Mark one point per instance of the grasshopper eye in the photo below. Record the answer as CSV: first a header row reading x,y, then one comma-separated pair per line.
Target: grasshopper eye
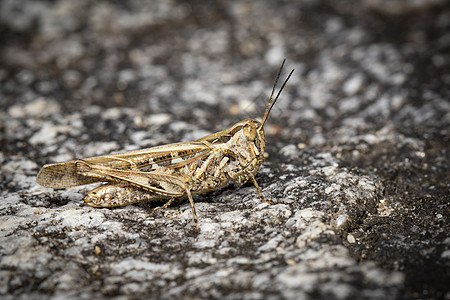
x,y
250,131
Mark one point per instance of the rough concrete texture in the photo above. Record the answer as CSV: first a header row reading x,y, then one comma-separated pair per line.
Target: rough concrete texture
x,y
358,148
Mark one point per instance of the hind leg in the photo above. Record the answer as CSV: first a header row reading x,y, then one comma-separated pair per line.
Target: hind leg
x,y
114,194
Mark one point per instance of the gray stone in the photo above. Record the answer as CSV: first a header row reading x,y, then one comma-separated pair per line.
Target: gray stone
x,y
358,148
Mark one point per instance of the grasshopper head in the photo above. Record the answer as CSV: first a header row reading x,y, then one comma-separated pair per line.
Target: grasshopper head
x,y
248,135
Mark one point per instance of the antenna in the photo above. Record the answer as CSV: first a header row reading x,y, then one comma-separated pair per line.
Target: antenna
x,y
272,102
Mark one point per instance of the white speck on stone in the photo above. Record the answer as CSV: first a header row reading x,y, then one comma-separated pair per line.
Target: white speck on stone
x,y
112,226
333,25
349,104
239,260
312,231
112,113
195,134
290,151
275,213
158,119
371,139
295,184
353,84
177,126
101,148
199,257
271,244
139,136
445,254
380,277
38,107
98,238
10,200
46,135
127,75
341,220
398,78
298,275
303,217
75,218
209,228
9,224
247,106
131,288
197,91
328,190
127,265
367,185
274,56
234,217
26,258
336,256
329,171
209,234
333,188
351,239
308,214
205,243
317,139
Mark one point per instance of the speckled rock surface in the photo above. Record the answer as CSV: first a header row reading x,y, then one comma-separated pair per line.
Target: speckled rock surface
x,y
358,148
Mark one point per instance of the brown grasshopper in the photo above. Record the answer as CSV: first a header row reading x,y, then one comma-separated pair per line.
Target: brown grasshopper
x,y
169,171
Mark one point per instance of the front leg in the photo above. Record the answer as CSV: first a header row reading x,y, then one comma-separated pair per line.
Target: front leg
x,y
253,179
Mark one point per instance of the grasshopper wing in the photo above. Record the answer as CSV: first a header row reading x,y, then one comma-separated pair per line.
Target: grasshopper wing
x,y
66,174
